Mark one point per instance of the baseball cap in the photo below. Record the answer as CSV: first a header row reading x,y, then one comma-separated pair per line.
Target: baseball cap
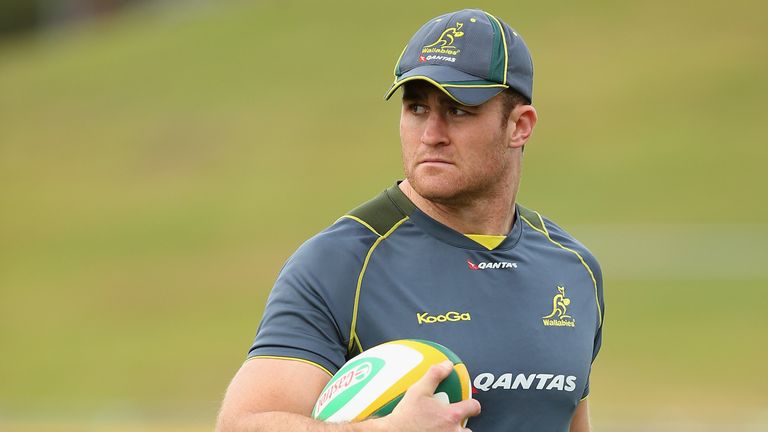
x,y
470,55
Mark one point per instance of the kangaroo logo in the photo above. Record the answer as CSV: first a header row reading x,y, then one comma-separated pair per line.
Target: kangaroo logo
x,y
445,41
559,316
442,49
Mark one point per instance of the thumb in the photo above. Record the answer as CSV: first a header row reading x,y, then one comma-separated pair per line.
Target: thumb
x,y
427,384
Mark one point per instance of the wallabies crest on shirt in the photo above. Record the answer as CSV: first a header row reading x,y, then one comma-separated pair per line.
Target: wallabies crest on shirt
x,y
559,316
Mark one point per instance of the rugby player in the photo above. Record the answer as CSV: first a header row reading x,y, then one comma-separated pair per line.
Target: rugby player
x,y
446,255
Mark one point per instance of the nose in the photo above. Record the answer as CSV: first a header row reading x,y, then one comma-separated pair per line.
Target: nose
x,y
435,130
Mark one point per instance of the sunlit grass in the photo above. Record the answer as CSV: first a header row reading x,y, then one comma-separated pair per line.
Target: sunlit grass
x,y
157,169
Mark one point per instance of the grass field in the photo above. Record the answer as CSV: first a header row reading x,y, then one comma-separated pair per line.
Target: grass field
x,y
157,168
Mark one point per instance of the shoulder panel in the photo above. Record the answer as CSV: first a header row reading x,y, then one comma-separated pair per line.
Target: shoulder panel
x,y
532,218
384,211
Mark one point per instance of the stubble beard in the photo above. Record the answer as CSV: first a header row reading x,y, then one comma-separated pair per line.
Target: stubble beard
x,y
468,189
463,190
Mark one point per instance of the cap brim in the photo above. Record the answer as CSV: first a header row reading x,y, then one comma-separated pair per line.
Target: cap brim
x,y
464,88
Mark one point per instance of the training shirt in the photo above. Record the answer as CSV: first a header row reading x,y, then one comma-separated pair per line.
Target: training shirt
x,y
525,317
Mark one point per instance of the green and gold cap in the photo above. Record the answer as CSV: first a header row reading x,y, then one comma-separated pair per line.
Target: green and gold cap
x,y
470,55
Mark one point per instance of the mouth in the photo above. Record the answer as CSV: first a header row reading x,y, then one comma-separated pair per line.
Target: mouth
x,y
435,161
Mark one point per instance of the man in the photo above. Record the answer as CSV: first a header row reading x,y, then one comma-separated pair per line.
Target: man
x,y
445,255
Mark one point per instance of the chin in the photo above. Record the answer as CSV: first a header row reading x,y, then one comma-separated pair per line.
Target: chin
x,y
438,189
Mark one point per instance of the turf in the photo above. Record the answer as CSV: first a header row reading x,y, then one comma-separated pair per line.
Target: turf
x,y
158,167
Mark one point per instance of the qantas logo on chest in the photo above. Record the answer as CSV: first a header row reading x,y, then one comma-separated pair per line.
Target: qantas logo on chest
x,y
491,265
538,381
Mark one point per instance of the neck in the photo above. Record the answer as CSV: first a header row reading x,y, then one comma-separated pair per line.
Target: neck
x,y
492,214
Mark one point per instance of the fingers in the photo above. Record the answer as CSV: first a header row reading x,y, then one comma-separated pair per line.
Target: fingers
x,y
429,382
467,408
421,408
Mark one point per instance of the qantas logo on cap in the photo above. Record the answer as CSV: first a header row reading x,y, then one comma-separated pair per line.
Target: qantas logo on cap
x,y
491,265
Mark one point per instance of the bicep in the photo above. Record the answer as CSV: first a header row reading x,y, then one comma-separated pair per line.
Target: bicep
x,y
580,420
263,385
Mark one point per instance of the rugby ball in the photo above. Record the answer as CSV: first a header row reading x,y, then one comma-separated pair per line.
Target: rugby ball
x,y
372,383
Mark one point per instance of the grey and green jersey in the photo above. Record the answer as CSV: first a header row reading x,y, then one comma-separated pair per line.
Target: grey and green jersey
x,y
526,317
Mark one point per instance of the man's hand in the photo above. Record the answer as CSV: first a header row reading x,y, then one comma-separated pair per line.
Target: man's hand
x,y
419,411
257,401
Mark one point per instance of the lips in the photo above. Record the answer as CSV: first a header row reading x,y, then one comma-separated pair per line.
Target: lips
x,y
435,161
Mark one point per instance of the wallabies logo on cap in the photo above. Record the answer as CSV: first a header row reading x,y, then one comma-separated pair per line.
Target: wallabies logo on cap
x,y
443,48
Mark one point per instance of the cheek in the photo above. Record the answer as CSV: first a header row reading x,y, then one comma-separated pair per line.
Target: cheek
x,y
407,128
409,140
493,157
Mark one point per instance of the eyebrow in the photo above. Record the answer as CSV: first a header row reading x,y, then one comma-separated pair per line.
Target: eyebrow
x,y
411,93
417,93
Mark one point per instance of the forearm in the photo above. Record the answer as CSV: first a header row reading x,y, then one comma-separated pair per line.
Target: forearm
x,y
243,410
580,421
288,422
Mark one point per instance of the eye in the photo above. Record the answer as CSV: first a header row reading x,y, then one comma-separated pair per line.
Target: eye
x,y
417,108
458,112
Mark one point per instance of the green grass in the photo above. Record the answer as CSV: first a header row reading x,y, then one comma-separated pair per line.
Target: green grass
x,y
156,169
694,346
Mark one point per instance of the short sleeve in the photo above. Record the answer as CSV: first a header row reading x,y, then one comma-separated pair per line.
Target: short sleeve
x,y
598,342
308,313
562,237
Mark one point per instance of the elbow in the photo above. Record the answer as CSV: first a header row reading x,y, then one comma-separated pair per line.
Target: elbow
x,y
235,421
242,421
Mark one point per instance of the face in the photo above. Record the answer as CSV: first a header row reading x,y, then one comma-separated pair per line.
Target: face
x,y
452,153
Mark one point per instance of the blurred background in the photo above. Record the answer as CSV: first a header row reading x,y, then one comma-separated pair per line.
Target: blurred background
x,y
159,160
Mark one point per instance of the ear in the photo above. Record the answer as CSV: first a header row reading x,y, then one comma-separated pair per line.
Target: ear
x,y
521,120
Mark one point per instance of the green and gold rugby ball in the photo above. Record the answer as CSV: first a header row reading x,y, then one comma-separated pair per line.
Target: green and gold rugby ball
x,y
372,383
